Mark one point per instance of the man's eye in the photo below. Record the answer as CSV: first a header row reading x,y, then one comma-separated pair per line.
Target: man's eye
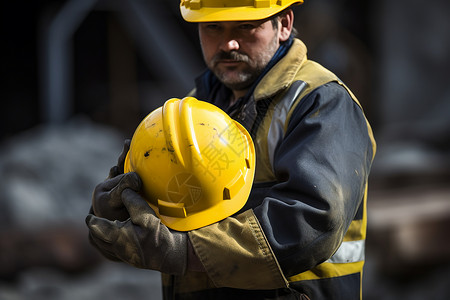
x,y
246,26
212,27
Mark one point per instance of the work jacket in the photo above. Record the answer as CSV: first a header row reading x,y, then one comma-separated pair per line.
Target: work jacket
x,y
302,230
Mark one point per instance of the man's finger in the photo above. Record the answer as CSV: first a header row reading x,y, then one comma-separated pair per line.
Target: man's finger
x,y
123,155
128,180
103,229
113,172
104,248
110,183
137,207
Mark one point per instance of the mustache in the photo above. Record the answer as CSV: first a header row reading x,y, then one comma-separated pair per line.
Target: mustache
x,y
232,55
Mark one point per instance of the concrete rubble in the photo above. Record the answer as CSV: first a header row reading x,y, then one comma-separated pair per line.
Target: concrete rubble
x,y
48,174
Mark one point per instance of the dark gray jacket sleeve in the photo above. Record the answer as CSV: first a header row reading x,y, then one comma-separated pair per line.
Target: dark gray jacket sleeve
x,y
321,168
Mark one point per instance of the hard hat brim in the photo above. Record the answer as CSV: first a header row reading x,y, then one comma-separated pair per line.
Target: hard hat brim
x,y
224,14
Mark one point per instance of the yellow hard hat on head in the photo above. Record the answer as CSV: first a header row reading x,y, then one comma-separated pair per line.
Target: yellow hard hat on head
x,y
196,164
232,10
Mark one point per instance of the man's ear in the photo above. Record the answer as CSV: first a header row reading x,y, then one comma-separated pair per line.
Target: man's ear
x,y
286,23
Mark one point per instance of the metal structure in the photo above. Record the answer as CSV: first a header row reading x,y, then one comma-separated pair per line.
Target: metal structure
x,y
163,47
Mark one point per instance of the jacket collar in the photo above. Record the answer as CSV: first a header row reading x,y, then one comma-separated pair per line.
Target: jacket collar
x,y
281,75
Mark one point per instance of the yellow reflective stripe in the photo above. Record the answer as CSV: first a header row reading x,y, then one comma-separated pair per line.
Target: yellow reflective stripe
x,y
329,270
354,238
354,231
357,228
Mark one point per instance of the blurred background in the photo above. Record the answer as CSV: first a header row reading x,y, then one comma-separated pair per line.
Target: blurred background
x,y
79,75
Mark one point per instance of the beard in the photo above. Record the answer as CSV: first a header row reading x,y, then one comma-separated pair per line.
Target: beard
x,y
240,79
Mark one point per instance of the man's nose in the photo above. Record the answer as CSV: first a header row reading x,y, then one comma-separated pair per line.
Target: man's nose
x,y
229,44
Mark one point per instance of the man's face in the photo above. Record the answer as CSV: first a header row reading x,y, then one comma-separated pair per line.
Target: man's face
x,y
237,52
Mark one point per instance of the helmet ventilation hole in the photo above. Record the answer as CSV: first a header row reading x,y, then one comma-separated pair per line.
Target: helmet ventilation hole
x,y
247,163
226,194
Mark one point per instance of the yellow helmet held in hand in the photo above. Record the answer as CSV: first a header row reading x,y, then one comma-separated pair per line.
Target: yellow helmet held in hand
x,y
196,164
232,10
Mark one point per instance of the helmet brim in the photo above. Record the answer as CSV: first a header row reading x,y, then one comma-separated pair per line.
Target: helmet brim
x,y
224,14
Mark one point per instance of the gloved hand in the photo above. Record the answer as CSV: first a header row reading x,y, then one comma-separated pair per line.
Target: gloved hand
x,y
106,198
142,241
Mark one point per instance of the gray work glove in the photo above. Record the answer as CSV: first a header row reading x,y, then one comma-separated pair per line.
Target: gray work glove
x,y
106,198
142,240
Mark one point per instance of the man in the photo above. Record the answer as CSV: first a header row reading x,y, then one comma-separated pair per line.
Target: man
x,y
301,232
